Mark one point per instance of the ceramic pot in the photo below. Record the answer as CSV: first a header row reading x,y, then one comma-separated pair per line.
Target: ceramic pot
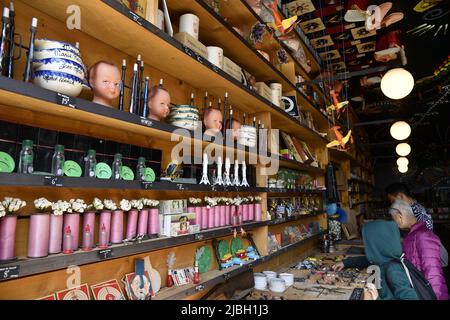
x,y
59,82
190,23
58,54
215,56
59,65
46,44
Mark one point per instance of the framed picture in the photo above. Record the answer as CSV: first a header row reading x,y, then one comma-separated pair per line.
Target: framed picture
x,y
77,293
108,290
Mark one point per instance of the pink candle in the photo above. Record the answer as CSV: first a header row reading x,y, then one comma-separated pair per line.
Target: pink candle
x,y
72,220
245,212
105,220
142,222
205,217
216,216
228,215
153,221
132,224
117,226
211,217
222,216
56,234
198,216
7,237
258,212
38,235
251,212
89,219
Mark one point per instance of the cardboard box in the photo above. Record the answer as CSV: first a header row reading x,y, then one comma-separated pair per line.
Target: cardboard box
x,y
232,69
264,90
192,43
172,206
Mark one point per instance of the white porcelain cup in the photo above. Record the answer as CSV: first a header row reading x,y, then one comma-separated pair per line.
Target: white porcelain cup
x,y
270,275
189,23
260,281
160,20
276,93
277,285
215,56
288,278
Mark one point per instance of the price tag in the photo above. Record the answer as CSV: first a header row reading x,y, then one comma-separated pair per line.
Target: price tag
x,y
180,186
199,288
215,68
64,100
53,181
146,122
136,18
9,272
213,188
105,254
188,51
146,185
199,236
200,59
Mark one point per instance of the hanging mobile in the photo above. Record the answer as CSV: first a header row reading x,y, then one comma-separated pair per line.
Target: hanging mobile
x,y
27,74
122,84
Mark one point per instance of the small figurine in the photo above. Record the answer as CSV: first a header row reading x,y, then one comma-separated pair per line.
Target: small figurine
x,y
158,103
205,179
213,121
219,180
236,174
170,262
340,141
251,253
104,79
244,182
226,261
226,180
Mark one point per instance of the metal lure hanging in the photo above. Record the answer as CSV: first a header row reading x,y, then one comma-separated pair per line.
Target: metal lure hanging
x,y
33,29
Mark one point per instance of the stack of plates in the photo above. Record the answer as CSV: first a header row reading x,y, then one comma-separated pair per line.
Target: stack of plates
x,y
58,66
184,116
277,285
288,278
260,281
247,136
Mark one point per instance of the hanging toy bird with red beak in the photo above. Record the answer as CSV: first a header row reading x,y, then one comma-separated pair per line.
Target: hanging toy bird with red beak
x,y
283,26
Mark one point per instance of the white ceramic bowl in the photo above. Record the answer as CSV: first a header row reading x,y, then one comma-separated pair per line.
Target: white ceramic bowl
x,y
288,278
44,44
60,65
277,285
58,54
270,275
260,281
59,82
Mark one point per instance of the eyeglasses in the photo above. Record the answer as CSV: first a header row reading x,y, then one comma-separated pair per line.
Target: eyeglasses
x,y
109,84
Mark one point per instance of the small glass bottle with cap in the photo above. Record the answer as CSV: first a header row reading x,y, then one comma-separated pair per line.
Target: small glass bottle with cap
x,y
89,164
26,157
58,161
117,167
140,169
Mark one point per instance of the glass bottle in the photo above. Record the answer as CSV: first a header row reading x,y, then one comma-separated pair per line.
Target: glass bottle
x,y
140,169
26,157
68,238
58,161
117,167
89,164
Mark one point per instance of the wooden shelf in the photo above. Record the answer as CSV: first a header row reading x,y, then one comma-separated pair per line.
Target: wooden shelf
x,y
293,219
214,277
293,164
61,261
129,33
274,192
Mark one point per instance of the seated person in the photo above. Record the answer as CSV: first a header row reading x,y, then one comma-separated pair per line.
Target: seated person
x,y
236,126
382,245
158,103
421,247
213,121
104,78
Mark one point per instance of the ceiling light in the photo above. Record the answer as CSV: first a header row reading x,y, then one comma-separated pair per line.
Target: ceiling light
x,y
403,169
397,83
403,149
400,130
402,162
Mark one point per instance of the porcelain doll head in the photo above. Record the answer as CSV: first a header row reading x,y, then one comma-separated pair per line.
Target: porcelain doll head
x,y
104,79
213,121
158,103
236,126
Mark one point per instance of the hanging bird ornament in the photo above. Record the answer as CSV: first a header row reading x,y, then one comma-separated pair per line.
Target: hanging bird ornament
x,y
283,26
341,142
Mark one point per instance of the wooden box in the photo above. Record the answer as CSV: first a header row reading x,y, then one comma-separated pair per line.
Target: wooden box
x,y
264,90
232,69
192,43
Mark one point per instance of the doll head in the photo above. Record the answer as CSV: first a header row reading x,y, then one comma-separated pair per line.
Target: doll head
x,y
104,78
213,121
158,103
235,126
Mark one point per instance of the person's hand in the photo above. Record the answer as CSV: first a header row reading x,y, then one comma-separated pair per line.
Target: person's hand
x,y
338,266
370,292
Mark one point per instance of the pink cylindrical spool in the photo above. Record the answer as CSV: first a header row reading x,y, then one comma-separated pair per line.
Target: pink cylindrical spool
x,y
228,215
258,212
7,237
38,235
191,209
211,221
217,216
245,212
251,212
117,226
153,221
198,216
89,219
105,220
205,217
132,224
72,220
222,216
142,228
56,234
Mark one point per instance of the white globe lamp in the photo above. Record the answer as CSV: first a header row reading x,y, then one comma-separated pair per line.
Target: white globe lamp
x,y
403,149
403,169
397,83
402,162
400,130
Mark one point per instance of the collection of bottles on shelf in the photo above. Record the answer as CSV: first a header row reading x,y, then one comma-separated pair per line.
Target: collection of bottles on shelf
x,y
279,208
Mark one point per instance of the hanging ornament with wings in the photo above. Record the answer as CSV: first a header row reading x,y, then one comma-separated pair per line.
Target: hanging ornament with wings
x,y
337,106
341,142
283,26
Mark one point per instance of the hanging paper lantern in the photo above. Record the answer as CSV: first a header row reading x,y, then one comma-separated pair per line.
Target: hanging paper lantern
x,y
397,83
403,169
403,149
400,130
402,162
